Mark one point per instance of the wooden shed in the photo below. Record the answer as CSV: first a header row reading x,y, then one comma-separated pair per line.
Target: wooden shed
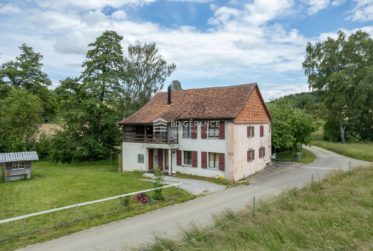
x,y
17,165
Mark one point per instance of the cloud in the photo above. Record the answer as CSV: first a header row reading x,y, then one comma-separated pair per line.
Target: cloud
x,y
89,4
314,6
9,9
244,42
119,15
363,11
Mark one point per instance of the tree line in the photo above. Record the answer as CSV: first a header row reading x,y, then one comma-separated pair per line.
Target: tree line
x,y
110,87
340,75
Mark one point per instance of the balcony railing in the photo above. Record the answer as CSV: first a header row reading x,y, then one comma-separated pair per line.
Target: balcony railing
x,y
153,139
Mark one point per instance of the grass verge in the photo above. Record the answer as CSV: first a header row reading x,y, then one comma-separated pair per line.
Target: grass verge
x,y
333,214
219,181
56,185
287,156
362,151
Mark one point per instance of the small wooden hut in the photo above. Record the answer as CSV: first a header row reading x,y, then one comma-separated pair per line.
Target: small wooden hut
x,y
17,165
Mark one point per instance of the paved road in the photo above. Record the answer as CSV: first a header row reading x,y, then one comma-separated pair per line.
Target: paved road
x,y
169,222
196,187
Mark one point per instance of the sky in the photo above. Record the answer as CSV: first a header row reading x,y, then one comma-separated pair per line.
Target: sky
x,y
212,42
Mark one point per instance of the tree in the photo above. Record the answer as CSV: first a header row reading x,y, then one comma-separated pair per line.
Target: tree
x,y
20,116
339,70
290,126
104,67
89,105
26,72
146,72
176,85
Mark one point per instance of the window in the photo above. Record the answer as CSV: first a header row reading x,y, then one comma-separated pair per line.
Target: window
x,y
261,131
213,160
250,131
250,155
261,152
187,157
140,158
213,130
187,130
18,165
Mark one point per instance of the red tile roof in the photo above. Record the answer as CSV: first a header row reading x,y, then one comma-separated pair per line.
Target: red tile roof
x,y
203,103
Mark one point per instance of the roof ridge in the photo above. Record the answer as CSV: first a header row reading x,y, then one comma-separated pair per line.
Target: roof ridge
x,y
213,87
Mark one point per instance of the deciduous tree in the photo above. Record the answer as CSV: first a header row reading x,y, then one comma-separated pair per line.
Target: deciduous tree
x,y
340,69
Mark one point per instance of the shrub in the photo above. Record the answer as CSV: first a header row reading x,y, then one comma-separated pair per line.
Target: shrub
x,y
158,182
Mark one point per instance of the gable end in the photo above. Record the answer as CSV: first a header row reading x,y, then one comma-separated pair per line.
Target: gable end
x,y
254,111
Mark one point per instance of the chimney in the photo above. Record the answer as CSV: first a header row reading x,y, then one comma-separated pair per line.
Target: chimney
x,y
169,95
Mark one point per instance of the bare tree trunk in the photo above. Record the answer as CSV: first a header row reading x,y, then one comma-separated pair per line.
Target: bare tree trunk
x,y
342,131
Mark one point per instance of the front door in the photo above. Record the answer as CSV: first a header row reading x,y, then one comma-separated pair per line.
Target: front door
x,y
150,159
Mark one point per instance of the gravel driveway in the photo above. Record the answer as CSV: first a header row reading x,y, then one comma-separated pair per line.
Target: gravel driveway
x,y
196,187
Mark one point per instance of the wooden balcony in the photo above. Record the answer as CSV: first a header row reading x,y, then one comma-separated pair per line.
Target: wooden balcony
x,y
153,139
146,134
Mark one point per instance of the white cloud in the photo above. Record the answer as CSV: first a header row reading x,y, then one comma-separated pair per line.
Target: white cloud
x,y
363,11
314,6
245,43
119,15
9,9
89,4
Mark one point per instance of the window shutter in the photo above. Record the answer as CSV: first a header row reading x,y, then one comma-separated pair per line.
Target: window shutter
x,y
261,131
221,162
194,159
248,131
194,130
204,159
178,157
203,130
221,130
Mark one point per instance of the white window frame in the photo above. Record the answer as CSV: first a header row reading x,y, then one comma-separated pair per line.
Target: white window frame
x,y
215,160
213,131
140,158
191,158
187,130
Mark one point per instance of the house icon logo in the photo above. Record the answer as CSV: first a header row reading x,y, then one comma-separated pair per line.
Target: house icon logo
x,y
160,125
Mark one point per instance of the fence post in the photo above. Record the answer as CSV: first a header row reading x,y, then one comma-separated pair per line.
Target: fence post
x,y
254,205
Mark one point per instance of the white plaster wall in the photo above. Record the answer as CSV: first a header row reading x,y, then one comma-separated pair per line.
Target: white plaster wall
x,y
243,168
129,156
202,145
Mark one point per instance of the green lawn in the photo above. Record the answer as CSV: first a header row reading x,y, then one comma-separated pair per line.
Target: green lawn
x,y
334,214
287,156
363,151
56,185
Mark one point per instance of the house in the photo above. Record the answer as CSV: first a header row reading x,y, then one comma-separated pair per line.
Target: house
x,y
212,132
17,165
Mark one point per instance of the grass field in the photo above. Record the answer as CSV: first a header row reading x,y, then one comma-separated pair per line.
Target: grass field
x,y
55,185
363,151
334,214
287,156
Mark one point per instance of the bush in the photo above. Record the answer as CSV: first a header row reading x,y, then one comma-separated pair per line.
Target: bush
x,y
158,182
43,146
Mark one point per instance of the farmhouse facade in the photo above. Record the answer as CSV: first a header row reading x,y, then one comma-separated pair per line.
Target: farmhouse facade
x,y
212,132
